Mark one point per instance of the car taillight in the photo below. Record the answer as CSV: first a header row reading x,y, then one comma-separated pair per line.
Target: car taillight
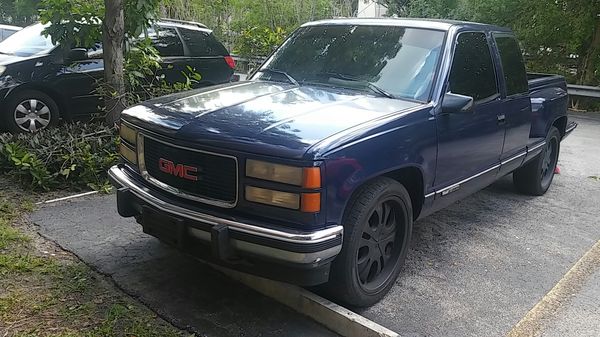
x,y
230,62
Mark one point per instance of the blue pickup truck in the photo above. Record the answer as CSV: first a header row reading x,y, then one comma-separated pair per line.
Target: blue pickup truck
x,y
314,170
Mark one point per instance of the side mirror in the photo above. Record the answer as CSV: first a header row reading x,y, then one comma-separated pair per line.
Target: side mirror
x,y
77,54
455,103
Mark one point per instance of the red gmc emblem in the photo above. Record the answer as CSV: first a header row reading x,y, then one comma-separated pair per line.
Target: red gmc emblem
x,y
178,170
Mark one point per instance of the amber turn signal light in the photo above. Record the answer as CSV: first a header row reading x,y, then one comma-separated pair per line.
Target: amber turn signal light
x,y
311,202
311,177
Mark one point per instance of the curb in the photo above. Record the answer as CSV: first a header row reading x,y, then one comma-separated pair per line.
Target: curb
x,y
335,317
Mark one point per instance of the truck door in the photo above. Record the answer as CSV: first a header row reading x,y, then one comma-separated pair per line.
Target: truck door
x,y
469,143
516,103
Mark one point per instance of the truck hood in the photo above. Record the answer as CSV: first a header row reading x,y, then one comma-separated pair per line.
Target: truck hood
x,y
269,118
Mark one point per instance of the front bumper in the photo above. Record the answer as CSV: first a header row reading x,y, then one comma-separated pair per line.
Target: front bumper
x,y
289,255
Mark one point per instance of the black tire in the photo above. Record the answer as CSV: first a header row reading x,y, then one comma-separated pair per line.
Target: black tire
x,y
536,176
29,106
364,284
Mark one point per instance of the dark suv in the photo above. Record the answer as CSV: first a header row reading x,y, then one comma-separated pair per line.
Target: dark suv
x,y
40,84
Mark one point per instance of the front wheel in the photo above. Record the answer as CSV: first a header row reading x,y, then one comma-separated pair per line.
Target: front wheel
x,y
378,226
536,176
30,111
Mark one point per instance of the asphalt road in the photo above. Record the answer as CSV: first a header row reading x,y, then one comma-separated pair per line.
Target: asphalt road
x,y
475,269
184,291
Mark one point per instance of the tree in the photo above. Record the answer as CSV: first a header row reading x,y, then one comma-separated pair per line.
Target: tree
x,y
113,35
83,23
18,12
560,36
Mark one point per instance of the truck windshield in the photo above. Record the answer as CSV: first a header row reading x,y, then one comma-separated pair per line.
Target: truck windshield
x,y
27,42
396,61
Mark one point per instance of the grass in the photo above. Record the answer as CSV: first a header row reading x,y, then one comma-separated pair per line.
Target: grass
x,y
44,294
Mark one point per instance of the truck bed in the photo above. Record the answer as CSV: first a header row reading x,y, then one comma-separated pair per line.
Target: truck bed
x,y
539,81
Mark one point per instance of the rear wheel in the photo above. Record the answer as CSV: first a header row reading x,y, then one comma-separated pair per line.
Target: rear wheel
x,y
536,176
378,226
30,111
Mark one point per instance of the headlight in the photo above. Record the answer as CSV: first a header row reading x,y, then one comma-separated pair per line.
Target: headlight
x,y
128,153
128,134
307,177
274,198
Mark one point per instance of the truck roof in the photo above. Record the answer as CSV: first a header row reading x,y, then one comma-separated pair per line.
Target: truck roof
x,y
436,24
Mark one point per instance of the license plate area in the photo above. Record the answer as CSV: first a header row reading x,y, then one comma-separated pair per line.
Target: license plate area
x,y
169,229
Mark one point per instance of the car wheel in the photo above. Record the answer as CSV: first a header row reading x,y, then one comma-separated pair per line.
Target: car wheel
x,y
378,226
536,176
30,111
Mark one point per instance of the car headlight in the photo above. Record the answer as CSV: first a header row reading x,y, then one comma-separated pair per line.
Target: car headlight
x,y
128,153
307,177
271,197
128,134
128,146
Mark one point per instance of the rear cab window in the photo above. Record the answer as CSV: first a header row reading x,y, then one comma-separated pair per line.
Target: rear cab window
x,y
202,43
513,67
473,72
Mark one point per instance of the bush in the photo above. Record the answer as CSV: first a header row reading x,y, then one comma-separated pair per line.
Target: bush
x,y
74,155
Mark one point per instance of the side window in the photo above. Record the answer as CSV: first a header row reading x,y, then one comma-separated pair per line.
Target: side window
x,y
472,71
201,43
513,67
166,41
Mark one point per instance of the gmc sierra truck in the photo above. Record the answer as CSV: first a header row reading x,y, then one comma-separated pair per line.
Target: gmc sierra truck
x,y
314,170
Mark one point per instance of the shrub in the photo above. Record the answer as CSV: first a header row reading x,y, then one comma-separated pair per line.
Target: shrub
x,y
74,155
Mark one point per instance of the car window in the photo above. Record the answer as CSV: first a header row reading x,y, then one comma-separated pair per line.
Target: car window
x,y
27,42
473,71
202,43
513,67
399,60
166,41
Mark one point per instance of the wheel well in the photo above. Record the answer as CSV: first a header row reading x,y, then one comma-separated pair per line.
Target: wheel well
x,y
412,179
561,125
63,107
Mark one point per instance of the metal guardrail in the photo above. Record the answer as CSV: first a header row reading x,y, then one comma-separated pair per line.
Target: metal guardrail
x,y
583,91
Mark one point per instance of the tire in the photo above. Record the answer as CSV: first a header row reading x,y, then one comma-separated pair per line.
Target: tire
x,y
29,106
368,265
536,176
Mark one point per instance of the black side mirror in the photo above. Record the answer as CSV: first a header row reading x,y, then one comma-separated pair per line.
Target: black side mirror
x,y
455,103
77,54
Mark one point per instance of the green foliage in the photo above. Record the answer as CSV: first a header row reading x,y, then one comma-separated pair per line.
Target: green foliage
x,y
81,27
18,12
144,77
79,22
558,36
231,20
71,156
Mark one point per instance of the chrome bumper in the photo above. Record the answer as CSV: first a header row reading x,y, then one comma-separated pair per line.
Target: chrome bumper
x,y
122,179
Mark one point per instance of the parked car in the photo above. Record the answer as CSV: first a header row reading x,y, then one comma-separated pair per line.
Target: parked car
x,y
6,31
314,170
40,84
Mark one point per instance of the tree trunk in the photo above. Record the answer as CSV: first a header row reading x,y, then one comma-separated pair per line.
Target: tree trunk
x,y
113,35
591,59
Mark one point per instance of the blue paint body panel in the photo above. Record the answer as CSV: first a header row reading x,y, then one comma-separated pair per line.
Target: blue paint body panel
x,y
355,136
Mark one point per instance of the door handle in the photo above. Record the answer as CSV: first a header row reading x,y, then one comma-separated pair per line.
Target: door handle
x,y
501,119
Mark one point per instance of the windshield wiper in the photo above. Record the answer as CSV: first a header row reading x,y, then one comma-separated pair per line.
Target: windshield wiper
x,y
281,72
373,87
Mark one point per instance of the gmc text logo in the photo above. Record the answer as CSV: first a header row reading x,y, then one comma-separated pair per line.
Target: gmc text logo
x,y
178,170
